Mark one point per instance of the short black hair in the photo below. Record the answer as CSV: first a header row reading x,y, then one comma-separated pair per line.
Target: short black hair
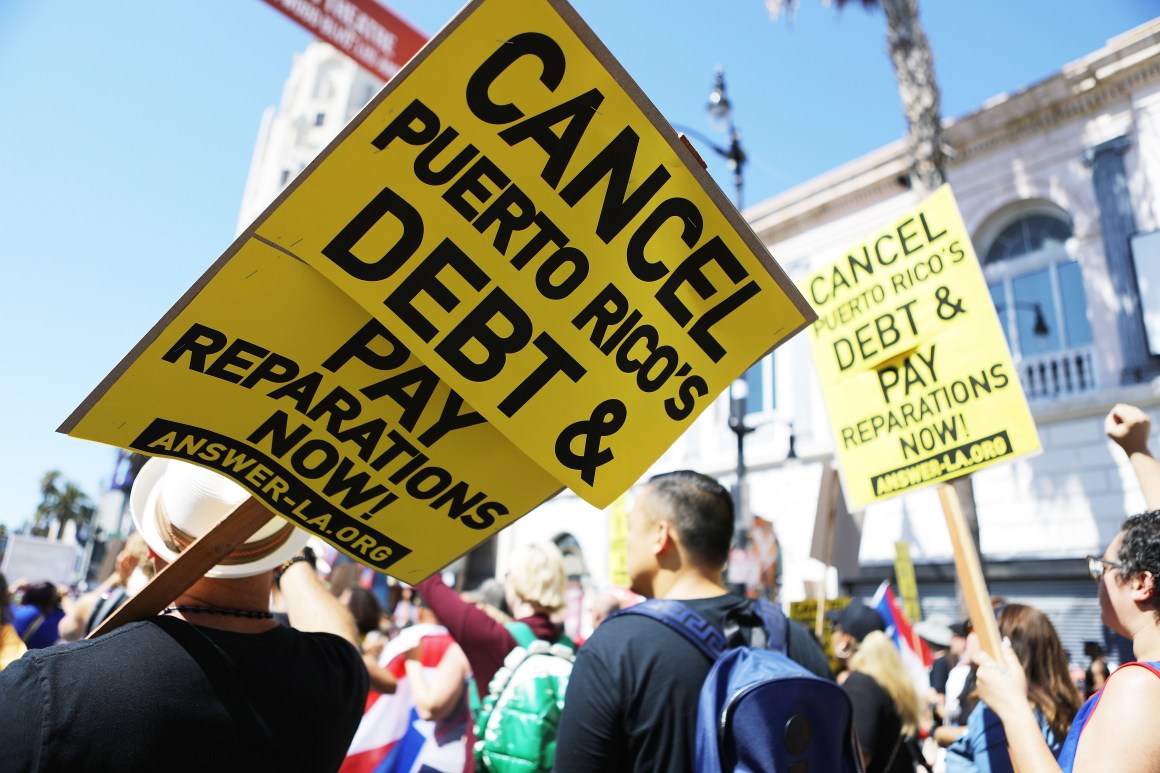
x,y
700,510
1140,550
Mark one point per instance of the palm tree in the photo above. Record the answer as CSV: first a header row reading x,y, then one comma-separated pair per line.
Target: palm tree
x,y
61,501
917,86
913,62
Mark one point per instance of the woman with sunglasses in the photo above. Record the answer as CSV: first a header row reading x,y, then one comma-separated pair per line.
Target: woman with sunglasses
x,y
1115,728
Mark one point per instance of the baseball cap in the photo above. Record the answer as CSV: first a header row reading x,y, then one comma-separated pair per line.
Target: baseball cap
x,y
858,620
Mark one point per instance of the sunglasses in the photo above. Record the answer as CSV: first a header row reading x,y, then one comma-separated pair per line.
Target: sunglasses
x,y
1097,566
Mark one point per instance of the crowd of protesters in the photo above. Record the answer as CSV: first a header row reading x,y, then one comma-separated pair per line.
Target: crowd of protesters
x,y
426,655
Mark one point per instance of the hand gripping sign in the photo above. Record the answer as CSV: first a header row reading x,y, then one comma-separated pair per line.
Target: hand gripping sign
x,y
523,281
914,367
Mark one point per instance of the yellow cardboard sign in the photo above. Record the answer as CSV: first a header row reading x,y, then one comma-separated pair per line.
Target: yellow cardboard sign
x,y
514,210
278,380
916,373
617,514
907,583
568,285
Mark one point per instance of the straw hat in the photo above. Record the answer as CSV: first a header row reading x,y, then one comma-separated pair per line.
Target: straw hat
x,y
174,503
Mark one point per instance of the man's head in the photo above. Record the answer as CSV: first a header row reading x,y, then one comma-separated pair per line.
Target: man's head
x,y
681,521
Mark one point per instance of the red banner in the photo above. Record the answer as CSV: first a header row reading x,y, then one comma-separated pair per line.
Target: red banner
x,y
364,30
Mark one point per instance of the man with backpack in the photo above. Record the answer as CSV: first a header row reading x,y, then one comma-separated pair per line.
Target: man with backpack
x,y
632,701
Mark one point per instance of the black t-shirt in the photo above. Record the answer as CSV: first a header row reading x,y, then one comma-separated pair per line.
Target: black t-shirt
x,y
878,725
166,695
939,671
632,697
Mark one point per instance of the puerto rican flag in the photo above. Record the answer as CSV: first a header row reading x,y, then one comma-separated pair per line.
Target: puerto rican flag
x,y
916,656
391,736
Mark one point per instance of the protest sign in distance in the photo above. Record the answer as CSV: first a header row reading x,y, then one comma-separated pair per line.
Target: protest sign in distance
x,y
914,367
505,276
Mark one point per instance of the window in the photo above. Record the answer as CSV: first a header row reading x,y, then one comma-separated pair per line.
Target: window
x,y
760,396
320,119
1037,286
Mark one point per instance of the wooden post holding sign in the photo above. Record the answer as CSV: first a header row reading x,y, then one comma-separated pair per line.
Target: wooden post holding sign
x,y
201,556
823,541
970,573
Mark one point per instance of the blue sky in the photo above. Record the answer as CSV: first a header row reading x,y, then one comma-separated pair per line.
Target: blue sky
x,y
129,128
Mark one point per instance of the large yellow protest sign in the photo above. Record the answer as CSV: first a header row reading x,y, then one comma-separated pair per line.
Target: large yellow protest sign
x,y
278,380
505,276
915,370
514,210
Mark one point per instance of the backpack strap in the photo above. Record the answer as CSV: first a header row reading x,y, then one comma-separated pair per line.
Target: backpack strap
x,y
522,633
680,618
32,629
776,627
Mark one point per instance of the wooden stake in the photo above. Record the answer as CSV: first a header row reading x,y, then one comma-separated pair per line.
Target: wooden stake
x,y
970,574
823,542
190,566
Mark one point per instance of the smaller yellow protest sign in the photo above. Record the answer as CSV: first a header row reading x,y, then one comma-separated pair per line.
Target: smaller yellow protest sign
x,y
618,542
273,377
915,370
907,584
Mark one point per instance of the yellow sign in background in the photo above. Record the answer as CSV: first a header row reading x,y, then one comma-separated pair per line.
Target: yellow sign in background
x,y
569,286
907,583
915,370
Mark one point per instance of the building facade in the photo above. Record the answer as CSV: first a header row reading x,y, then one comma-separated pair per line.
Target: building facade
x,y
1058,185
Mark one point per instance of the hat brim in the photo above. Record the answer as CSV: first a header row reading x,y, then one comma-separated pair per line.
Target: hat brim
x,y
143,508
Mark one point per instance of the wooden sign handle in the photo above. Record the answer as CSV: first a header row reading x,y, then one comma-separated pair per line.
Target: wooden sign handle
x,y
201,556
970,574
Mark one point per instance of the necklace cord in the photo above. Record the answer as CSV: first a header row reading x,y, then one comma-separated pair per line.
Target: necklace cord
x,y
255,614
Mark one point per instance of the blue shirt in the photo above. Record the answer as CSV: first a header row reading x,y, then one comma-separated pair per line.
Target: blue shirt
x,y
983,748
46,634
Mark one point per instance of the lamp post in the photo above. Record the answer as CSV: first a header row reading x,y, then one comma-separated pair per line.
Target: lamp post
x,y
721,111
738,407
744,571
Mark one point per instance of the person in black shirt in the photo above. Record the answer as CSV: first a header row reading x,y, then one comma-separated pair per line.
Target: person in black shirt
x,y
632,697
213,682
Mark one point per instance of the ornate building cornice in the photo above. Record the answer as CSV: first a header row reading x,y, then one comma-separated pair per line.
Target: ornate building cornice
x,y
1128,63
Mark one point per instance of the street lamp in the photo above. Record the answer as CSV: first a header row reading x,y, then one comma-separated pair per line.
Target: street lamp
x,y
738,409
721,114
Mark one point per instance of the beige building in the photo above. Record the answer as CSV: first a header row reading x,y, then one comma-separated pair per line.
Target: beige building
x,y
1059,185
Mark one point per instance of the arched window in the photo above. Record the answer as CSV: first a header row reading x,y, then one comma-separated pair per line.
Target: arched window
x,y
1037,286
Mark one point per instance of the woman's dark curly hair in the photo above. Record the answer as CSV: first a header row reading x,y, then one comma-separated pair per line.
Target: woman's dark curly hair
x,y
3,599
1140,550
